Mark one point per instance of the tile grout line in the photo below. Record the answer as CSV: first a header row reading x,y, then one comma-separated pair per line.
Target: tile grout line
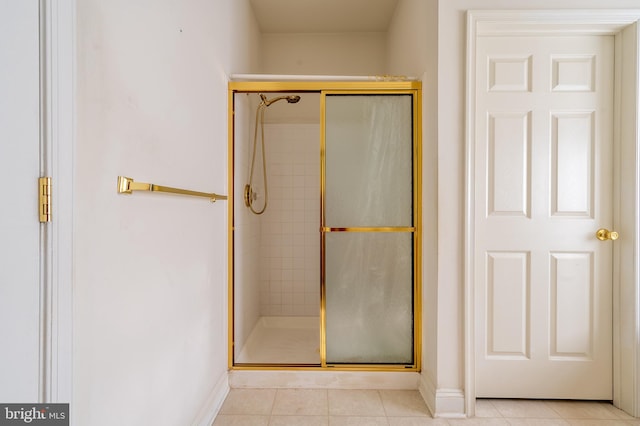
x,y
497,410
384,408
555,411
273,405
328,409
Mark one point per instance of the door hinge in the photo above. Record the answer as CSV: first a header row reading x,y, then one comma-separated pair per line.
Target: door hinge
x,y
44,199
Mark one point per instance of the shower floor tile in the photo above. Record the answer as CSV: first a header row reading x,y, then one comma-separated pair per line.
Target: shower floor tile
x,y
283,340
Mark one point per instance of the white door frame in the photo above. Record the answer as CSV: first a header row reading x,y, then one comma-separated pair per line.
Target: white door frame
x,y
624,26
57,141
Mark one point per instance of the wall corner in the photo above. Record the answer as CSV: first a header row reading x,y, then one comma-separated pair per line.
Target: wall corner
x,y
445,403
213,403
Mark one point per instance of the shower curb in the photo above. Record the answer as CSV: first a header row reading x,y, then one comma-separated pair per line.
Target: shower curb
x,y
258,379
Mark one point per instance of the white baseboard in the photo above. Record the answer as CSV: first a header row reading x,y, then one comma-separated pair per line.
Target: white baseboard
x,y
448,403
323,379
212,405
428,391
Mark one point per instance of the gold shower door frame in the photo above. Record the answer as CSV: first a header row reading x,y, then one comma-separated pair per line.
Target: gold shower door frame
x,y
413,88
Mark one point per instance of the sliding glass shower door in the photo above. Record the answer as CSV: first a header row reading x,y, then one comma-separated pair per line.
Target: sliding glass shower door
x,y
368,228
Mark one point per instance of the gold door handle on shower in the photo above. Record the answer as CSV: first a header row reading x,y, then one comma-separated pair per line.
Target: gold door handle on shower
x,y
604,234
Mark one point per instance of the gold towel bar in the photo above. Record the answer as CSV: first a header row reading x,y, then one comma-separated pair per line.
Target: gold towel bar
x,y
127,186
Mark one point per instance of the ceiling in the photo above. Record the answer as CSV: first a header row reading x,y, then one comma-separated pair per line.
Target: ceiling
x,y
323,16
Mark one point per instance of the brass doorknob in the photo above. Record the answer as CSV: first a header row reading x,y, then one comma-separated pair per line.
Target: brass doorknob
x,y
604,235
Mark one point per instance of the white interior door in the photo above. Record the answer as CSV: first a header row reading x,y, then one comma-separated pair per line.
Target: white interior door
x,y
19,224
543,184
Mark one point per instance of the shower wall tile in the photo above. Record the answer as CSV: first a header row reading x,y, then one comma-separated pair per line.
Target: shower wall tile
x,y
290,238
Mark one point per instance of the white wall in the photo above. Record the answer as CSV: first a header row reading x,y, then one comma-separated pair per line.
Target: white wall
x,y
451,173
324,54
412,50
20,231
150,287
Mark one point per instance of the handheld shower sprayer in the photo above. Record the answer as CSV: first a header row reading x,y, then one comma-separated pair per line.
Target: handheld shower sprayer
x,y
249,194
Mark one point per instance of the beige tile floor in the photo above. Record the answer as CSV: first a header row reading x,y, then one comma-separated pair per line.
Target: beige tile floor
x,y
321,407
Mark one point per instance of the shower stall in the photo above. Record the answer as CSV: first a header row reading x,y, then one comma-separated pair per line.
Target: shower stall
x,y
324,225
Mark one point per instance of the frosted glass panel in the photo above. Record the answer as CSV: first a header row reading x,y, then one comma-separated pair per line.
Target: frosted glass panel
x,y
369,297
368,160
